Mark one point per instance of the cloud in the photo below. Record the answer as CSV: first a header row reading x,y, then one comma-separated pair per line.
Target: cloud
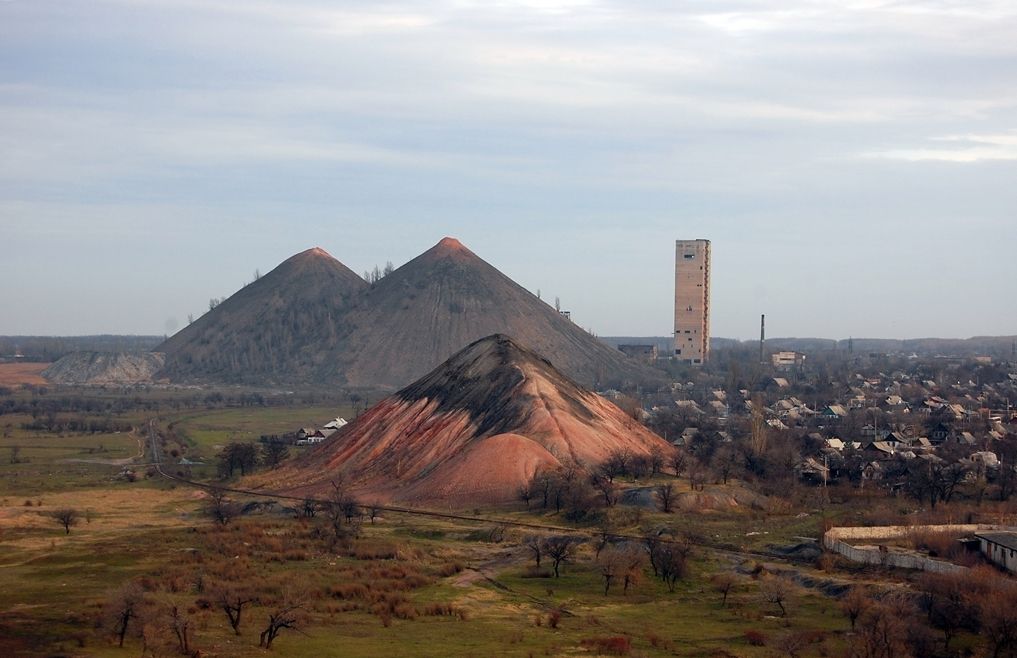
x,y
968,149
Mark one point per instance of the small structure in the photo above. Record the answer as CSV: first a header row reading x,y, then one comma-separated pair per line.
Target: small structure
x,y
642,352
1000,548
787,360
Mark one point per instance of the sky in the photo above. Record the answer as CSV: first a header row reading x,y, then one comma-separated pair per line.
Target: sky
x,y
853,163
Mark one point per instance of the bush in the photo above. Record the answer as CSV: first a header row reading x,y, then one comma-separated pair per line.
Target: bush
x,y
755,638
554,618
618,645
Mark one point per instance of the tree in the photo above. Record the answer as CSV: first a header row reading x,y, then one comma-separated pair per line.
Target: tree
x,y
672,563
679,462
723,583
15,455
340,509
607,489
389,268
623,562
232,601
237,456
776,591
525,494
220,508
285,616
534,544
758,431
122,607
276,451
67,517
854,604
665,497
657,460
881,633
560,549
180,626
997,611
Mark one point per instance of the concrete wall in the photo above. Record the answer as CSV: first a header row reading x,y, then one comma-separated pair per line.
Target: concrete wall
x,y
834,540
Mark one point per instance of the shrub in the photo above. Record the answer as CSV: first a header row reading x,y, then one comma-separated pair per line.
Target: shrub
x,y
755,638
618,645
554,618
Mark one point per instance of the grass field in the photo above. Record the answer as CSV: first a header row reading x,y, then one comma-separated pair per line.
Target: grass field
x,y
408,586
56,582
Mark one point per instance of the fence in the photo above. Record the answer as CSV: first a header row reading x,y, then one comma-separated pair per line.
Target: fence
x,y
833,540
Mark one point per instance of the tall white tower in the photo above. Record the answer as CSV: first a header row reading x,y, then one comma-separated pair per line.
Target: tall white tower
x,y
692,301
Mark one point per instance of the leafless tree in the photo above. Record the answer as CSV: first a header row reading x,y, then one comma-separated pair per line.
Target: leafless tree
x,y
998,619
758,431
723,583
560,549
623,562
122,607
679,461
776,591
606,488
220,508
525,494
232,601
285,616
665,497
534,544
656,460
15,455
854,603
67,517
181,626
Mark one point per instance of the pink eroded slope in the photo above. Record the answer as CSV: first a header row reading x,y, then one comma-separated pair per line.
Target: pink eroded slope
x,y
473,430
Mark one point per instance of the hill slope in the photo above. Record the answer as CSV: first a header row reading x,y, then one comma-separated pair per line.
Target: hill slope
x,y
105,368
284,327
474,429
448,297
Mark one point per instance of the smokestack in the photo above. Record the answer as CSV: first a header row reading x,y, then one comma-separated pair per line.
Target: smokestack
x,y
762,336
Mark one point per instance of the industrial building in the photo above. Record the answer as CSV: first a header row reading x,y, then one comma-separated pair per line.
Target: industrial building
x,y
692,301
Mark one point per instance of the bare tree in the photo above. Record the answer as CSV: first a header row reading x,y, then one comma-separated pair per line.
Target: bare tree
x,y
997,612
232,601
607,489
181,626
220,508
624,562
525,494
723,583
758,432
560,549
121,608
67,517
679,462
657,460
15,454
776,591
672,563
286,616
854,604
534,544
665,497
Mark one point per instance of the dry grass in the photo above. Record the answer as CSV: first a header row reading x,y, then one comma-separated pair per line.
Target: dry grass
x,y
16,374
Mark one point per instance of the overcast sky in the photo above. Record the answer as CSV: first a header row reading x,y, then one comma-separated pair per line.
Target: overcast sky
x,y
854,163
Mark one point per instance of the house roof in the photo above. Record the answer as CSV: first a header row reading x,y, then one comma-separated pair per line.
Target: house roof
x,y
1004,539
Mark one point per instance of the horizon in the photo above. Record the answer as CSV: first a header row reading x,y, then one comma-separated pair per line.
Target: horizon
x,y
850,163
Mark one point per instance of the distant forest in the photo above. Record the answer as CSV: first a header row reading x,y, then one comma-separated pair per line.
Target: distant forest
x,y
51,348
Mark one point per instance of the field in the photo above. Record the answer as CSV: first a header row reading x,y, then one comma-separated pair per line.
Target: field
x,y
401,584
16,374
